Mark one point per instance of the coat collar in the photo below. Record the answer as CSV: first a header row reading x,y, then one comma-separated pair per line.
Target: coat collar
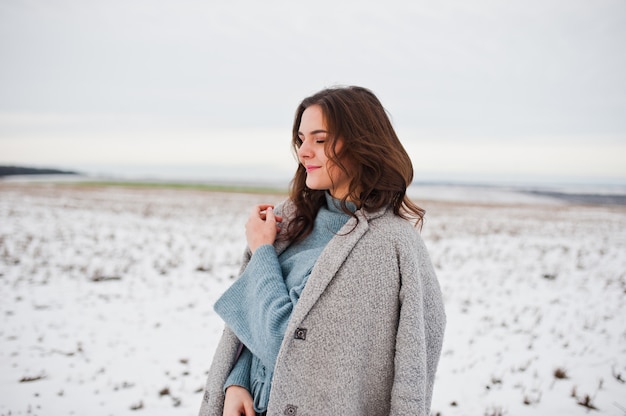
x,y
287,211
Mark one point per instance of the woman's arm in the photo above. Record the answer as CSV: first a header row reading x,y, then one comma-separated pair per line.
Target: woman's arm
x,y
257,306
420,333
240,374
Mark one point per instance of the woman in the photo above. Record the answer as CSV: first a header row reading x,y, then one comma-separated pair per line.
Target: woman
x,y
337,310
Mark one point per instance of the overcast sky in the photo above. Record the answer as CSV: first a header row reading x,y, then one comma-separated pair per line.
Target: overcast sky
x,y
533,88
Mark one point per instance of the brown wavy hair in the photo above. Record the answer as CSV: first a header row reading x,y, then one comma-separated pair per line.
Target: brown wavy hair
x,y
372,156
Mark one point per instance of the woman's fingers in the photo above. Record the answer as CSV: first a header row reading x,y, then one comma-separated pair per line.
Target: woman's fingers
x,y
238,401
269,215
262,226
249,409
261,211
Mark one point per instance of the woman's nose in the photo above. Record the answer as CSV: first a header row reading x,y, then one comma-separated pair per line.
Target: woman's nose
x,y
304,150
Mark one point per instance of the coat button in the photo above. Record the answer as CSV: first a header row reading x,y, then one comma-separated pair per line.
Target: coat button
x,y
291,410
300,333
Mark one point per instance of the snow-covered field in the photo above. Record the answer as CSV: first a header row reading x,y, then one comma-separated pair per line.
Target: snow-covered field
x,y
106,299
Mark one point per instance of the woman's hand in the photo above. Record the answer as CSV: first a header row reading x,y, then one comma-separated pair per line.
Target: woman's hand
x,y
262,226
237,402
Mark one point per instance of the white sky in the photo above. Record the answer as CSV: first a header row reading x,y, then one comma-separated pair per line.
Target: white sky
x,y
494,88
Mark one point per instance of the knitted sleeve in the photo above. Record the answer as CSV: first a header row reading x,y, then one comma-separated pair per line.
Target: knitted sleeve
x,y
257,306
240,374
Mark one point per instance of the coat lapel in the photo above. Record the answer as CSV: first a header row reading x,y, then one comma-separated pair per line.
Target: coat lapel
x,y
327,265
329,262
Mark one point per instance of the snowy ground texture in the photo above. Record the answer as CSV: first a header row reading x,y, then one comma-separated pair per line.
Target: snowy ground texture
x,y
106,299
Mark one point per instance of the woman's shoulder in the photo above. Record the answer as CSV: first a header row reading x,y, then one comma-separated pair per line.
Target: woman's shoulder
x,y
391,228
389,222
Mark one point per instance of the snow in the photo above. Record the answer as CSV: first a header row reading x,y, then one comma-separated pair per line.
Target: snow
x,y
107,293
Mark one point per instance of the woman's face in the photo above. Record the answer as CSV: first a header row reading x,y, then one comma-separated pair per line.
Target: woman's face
x,y
322,174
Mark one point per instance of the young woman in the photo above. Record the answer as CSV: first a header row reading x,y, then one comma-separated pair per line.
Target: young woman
x,y
337,310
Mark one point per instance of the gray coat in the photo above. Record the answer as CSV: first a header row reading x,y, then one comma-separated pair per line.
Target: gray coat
x,y
365,336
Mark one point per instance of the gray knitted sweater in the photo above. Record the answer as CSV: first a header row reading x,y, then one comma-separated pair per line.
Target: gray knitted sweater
x,y
366,334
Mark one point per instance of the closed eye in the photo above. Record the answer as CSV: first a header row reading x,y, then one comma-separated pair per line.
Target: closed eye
x,y
317,140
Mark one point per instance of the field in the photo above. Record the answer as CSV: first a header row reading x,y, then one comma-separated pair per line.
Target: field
x,y
107,292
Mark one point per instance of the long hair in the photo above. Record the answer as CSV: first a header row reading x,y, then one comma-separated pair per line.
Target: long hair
x,y
372,156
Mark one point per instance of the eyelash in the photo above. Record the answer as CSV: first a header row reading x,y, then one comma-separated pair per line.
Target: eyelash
x,y
318,141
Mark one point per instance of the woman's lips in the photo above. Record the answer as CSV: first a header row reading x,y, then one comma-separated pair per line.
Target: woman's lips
x,y
311,168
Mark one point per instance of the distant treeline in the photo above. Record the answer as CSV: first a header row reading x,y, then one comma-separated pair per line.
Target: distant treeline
x,y
20,170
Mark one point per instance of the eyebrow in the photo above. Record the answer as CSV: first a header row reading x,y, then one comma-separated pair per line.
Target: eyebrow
x,y
313,132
